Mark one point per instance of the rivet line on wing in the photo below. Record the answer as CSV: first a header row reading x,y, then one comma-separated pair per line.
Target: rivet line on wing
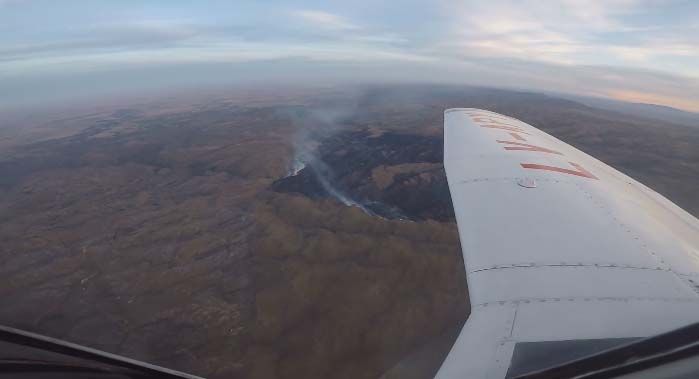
x,y
565,264
640,241
512,178
584,299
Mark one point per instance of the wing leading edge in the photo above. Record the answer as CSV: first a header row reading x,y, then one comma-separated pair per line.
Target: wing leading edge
x,y
565,256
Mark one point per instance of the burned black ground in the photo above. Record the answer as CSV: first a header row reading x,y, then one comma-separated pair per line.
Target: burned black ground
x,y
349,160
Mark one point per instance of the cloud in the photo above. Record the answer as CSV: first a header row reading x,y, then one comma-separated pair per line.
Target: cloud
x,y
582,32
607,48
10,2
652,98
106,37
498,32
595,14
324,20
326,27
202,53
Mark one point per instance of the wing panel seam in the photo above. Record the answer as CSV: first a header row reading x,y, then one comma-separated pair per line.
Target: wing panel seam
x,y
513,178
585,299
640,241
582,265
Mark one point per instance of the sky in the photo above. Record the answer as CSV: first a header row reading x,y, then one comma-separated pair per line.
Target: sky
x,y
634,50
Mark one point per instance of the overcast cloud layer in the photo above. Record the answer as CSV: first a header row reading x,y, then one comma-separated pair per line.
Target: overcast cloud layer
x,y
635,50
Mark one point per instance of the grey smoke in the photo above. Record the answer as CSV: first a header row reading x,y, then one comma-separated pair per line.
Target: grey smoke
x,y
314,125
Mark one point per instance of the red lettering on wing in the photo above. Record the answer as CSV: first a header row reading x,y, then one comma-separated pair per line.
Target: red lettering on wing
x,y
517,136
491,116
504,127
527,147
496,121
491,120
580,171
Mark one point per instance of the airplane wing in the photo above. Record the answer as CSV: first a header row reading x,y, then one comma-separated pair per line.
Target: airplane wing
x,y
565,256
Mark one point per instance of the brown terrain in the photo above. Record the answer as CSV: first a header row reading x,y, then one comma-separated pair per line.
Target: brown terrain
x,y
282,234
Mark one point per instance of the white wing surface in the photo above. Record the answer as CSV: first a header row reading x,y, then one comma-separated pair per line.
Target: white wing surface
x,y
564,255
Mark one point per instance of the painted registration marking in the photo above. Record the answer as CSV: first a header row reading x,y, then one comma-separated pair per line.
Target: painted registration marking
x,y
491,120
527,147
579,171
517,136
504,123
504,127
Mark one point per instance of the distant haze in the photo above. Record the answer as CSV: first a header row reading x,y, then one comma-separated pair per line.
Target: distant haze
x,y
68,51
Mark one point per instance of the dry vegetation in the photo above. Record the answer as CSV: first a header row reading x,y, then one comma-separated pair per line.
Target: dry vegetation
x,y
343,294
156,237
156,233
